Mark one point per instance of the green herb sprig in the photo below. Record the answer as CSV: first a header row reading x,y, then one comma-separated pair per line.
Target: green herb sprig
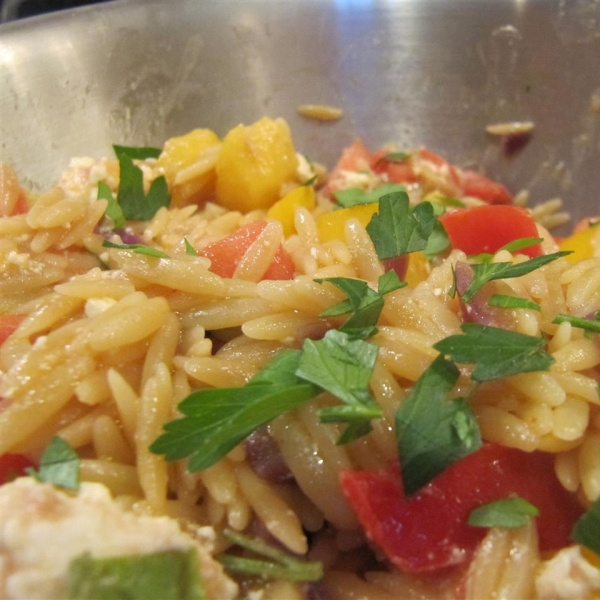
x,y
507,513
487,271
432,431
216,420
363,302
397,228
273,564
496,352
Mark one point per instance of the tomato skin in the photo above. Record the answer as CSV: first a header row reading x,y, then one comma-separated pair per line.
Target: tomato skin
x,y
13,466
488,227
227,253
478,185
8,325
429,530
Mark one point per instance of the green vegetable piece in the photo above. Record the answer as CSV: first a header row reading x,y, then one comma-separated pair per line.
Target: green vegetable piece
x,y
592,325
168,575
507,513
134,202
496,352
504,301
587,528
113,210
397,157
136,152
354,196
484,272
521,244
137,248
433,431
218,419
189,249
280,564
365,303
397,228
59,465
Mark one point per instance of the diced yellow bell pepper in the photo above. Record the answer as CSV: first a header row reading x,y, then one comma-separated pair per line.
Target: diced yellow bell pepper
x,y
418,268
188,163
331,225
591,556
580,244
284,210
253,164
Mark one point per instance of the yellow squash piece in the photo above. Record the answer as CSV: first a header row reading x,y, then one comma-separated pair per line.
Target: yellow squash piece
x,y
253,164
188,163
284,210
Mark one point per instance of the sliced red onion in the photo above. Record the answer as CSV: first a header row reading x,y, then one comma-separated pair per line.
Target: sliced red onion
x,y
399,264
477,310
512,143
262,452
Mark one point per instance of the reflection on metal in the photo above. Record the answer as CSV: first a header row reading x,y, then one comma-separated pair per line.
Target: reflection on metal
x,y
427,72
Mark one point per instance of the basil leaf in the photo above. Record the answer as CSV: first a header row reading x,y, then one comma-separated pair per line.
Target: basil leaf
x,y
587,528
496,352
432,431
507,513
137,248
484,272
136,152
354,196
113,210
505,301
167,575
397,228
59,465
280,564
132,199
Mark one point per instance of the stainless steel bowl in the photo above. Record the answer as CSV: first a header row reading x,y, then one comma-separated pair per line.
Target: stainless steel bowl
x,y
431,72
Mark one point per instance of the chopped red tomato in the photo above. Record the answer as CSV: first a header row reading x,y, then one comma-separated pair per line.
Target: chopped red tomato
x,y
226,254
429,530
479,186
396,171
440,163
488,227
13,466
355,157
8,325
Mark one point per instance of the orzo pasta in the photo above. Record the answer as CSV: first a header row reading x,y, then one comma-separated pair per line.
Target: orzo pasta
x,y
226,372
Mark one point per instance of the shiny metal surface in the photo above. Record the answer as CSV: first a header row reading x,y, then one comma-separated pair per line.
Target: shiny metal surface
x,y
430,72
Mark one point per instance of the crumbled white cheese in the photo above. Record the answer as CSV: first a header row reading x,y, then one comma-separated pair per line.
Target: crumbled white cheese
x,y
43,529
95,306
17,258
567,576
